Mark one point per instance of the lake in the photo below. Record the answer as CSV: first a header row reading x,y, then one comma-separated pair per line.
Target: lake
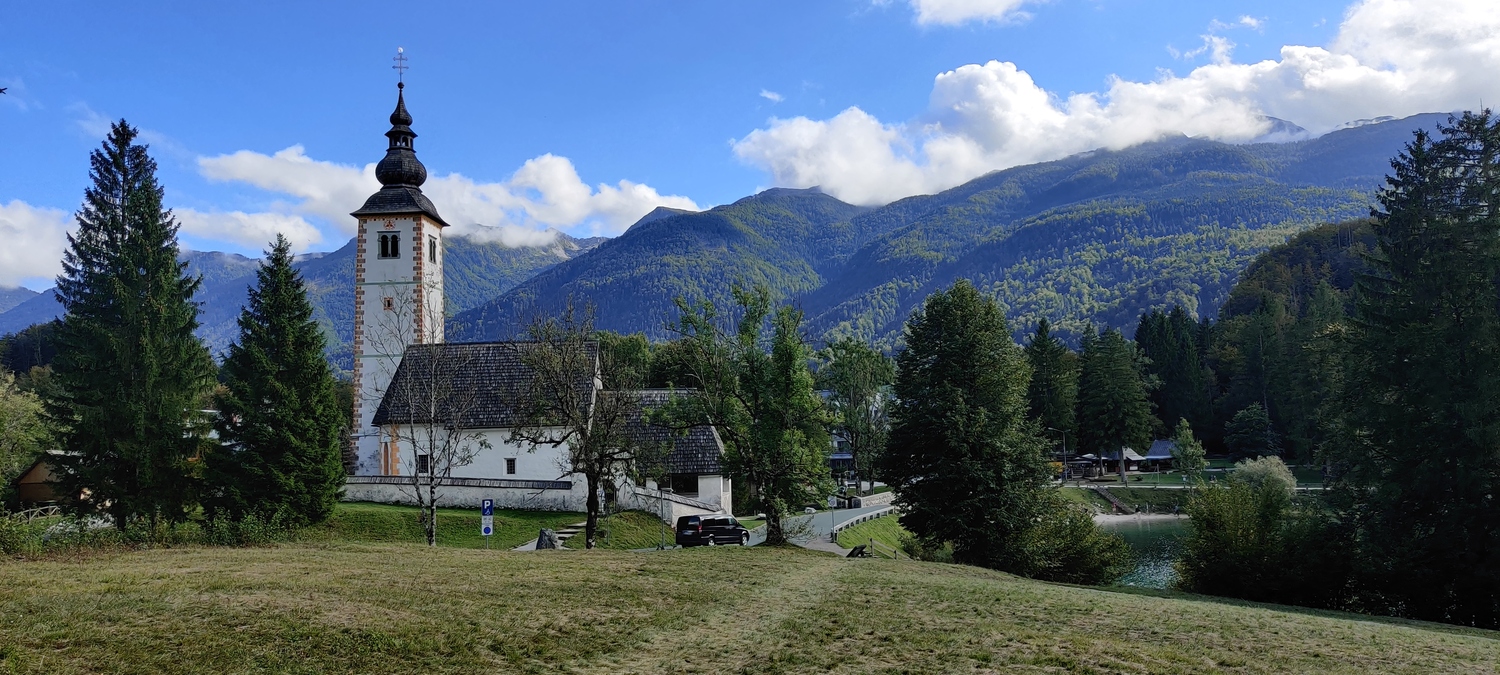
x,y
1155,543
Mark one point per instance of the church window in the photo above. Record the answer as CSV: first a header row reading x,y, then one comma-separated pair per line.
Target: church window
x,y
389,303
510,465
424,464
432,249
390,245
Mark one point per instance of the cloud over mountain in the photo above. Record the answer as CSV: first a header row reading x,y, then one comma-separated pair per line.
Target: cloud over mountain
x,y
545,194
1390,57
35,238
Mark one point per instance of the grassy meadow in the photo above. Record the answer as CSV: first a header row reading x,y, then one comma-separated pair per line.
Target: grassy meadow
x,y
335,607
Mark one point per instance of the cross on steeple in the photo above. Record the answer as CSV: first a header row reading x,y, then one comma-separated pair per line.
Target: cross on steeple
x,y
400,67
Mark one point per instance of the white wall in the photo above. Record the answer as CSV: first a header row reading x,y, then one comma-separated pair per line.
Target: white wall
x,y
381,335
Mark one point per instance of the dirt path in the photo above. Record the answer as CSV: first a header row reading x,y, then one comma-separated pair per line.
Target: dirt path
x,y
741,630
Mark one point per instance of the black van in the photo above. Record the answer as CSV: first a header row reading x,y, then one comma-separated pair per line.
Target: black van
x,y
710,531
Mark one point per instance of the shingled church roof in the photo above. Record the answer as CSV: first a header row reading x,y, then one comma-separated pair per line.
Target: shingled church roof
x,y
696,450
482,383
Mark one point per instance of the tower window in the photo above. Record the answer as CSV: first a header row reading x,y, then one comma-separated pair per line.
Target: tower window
x,y
432,249
390,245
389,303
424,464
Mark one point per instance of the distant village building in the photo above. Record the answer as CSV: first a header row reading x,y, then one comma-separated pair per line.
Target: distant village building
x,y
398,336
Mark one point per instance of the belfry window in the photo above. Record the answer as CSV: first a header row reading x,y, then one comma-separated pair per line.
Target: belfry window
x,y
431,249
390,245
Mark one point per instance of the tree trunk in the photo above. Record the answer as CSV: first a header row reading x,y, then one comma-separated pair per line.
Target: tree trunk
x,y
775,535
431,507
591,524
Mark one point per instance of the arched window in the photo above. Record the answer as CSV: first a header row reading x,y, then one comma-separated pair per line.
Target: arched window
x,y
390,245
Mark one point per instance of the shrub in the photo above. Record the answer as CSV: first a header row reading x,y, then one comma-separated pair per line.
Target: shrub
x,y
1251,539
1067,546
1265,470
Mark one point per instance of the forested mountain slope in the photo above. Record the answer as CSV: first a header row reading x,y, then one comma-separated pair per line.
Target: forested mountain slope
x,y
786,239
14,295
475,271
1098,237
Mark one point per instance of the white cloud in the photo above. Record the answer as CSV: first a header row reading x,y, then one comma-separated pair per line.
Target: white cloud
x,y
1251,22
546,193
1390,57
35,238
771,96
252,230
954,12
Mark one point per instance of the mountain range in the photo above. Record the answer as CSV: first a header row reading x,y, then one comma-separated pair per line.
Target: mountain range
x,y
1092,239
476,270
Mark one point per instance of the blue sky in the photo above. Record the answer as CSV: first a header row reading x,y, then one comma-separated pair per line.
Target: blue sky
x,y
523,110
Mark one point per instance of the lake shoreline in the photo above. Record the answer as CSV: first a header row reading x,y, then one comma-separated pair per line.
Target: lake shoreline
x,y
1111,518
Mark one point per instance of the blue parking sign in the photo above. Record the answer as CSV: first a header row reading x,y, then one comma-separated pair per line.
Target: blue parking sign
x,y
487,507
487,518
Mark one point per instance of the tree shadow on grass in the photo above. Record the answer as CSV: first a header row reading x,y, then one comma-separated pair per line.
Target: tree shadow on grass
x,y
1306,611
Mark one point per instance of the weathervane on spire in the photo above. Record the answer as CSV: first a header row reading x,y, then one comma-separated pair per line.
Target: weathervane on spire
x,y
400,67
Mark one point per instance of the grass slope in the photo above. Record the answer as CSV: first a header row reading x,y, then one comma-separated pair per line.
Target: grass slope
x,y
347,608
627,530
884,530
384,523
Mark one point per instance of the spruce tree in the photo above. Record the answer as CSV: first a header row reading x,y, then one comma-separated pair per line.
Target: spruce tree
x,y
1187,453
1113,408
131,375
1170,341
967,466
279,420
1421,452
1053,392
1250,434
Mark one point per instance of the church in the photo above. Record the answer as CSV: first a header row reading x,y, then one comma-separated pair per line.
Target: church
x,y
399,352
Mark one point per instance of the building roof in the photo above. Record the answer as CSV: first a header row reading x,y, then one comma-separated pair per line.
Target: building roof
x,y
400,172
1161,449
1130,455
696,450
399,200
483,384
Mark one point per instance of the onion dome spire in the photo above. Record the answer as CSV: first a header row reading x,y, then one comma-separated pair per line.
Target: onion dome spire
x,y
400,167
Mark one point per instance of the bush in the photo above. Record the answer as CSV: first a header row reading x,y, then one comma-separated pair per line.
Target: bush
x,y
926,550
1067,546
1251,539
252,530
1263,471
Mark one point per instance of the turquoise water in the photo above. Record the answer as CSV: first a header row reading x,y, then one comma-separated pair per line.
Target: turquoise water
x,y
1156,544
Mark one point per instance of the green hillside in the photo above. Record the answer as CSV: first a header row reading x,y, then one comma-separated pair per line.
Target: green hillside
x,y
786,239
1098,237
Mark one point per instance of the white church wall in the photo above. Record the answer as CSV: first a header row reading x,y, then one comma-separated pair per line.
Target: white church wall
x,y
461,497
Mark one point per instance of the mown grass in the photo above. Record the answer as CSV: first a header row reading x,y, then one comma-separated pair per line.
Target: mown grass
x,y
884,529
1155,500
386,523
627,530
393,608
1086,498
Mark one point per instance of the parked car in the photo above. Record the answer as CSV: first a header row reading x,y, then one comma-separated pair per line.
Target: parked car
x,y
711,531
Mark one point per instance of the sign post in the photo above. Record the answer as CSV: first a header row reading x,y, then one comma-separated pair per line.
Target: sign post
x,y
487,520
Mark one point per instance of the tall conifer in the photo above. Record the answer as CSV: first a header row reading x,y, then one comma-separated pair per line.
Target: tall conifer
x,y
1113,408
1422,455
1053,393
279,419
966,464
131,375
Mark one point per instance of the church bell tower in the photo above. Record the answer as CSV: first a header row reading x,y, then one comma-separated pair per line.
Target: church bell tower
x,y
398,283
